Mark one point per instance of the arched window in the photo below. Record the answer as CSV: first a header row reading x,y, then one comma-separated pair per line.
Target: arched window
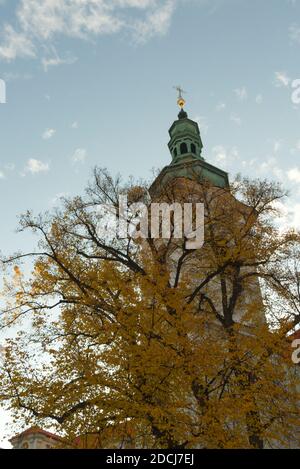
x,y
183,148
193,148
175,151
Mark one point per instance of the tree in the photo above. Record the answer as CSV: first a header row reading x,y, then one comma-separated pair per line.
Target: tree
x,y
147,343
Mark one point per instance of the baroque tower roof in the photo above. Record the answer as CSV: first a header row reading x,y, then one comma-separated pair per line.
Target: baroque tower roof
x,y
185,146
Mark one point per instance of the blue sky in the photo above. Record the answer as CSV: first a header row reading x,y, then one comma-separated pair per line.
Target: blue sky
x,y
90,82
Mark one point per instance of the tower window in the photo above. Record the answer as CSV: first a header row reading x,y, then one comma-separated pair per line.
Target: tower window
x,y
175,151
183,148
193,148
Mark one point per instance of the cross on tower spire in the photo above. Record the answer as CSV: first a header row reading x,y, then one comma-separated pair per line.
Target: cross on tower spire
x,y
180,100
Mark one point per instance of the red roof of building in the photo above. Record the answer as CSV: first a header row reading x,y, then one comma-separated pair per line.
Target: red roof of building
x,y
36,429
295,335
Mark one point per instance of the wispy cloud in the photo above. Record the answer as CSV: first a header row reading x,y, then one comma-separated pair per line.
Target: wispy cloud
x,y
241,93
270,168
79,155
13,76
288,214
55,60
38,23
48,133
220,153
54,200
15,44
74,125
259,99
157,22
34,166
8,167
282,79
225,157
294,175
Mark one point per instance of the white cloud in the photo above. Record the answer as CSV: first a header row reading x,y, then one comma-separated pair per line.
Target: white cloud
x,y
259,99
55,61
157,22
79,155
75,18
15,44
48,133
7,167
38,23
34,166
227,158
241,93
74,125
282,79
12,76
288,214
220,153
270,168
249,163
294,175
57,198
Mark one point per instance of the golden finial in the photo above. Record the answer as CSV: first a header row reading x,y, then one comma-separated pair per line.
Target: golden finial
x,y
180,100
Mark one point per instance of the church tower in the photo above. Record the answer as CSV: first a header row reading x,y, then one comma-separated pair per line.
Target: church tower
x,y
190,178
185,146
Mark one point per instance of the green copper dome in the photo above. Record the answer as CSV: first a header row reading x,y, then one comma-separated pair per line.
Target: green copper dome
x,y
185,141
185,146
